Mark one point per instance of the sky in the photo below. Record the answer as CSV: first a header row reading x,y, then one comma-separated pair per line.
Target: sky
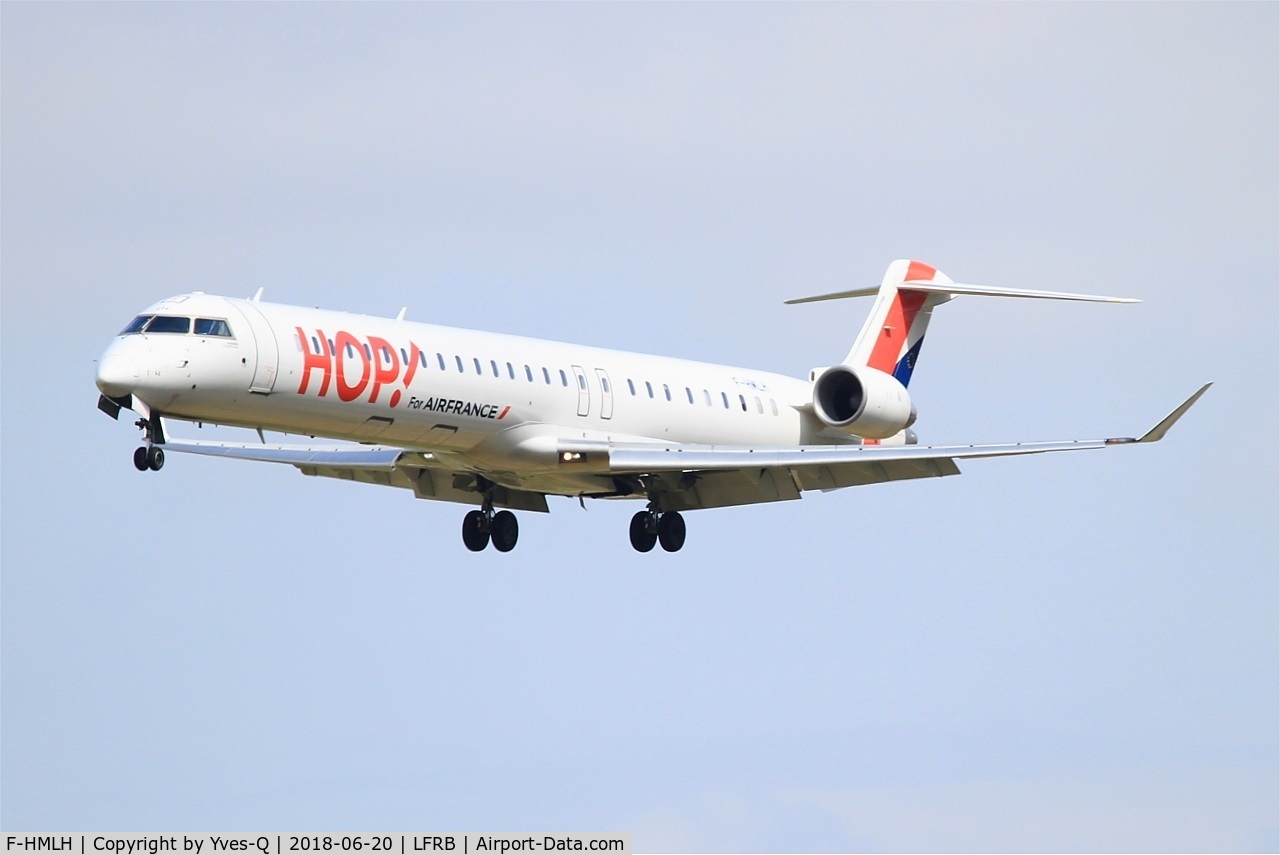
x,y
1059,653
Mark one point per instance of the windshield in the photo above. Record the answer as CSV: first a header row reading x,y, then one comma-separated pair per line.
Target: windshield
x,y
166,324
136,325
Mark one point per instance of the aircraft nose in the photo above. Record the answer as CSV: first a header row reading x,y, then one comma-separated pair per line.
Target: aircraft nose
x,y
116,375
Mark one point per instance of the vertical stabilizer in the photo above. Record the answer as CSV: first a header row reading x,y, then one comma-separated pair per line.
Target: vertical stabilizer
x,y
891,338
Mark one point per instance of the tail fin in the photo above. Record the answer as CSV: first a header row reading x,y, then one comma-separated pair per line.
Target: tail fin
x,y
891,338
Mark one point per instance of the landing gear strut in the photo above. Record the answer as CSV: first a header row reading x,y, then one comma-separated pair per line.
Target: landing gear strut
x,y
651,527
482,526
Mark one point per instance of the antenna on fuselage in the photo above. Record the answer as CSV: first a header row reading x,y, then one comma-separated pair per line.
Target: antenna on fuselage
x,y
403,309
258,296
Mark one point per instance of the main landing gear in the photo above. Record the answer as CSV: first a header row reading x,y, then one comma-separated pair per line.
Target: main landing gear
x,y
652,527
482,526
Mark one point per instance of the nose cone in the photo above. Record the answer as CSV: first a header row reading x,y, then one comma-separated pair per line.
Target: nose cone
x,y
117,374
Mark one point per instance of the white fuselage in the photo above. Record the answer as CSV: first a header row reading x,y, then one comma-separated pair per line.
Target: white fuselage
x,y
480,399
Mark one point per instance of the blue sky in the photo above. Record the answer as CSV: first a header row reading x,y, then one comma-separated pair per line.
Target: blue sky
x,y
1064,653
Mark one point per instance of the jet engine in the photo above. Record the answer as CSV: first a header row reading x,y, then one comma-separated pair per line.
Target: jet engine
x,y
864,401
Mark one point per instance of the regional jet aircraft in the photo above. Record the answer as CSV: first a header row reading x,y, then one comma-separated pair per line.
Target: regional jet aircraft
x,y
502,422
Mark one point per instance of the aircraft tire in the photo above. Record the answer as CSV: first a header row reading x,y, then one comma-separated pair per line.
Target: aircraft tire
x,y
155,458
643,538
504,530
475,534
671,531
140,459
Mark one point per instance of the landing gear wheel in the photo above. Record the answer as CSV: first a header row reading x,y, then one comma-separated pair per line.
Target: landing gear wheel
x,y
155,458
140,459
643,537
475,531
504,530
671,531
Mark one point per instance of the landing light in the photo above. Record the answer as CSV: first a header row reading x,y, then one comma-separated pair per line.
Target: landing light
x,y
571,455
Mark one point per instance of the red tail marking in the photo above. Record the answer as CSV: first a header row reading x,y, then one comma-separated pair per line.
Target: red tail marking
x,y
920,270
505,410
888,347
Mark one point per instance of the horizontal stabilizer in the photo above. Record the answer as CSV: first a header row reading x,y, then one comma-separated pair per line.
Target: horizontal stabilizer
x,y
954,289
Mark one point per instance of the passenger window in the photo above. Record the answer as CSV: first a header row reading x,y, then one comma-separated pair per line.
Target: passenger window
x,y
546,375
440,359
315,344
368,353
632,387
725,398
604,384
689,392
773,405
458,359
404,357
648,387
707,396
582,383
564,379
422,357
209,326
743,402
164,324
528,372
479,370
351,351
759,407
666,390
494,366
136,325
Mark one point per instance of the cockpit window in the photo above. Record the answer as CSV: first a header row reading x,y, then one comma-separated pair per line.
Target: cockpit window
x,y
136,325
209,326
166,324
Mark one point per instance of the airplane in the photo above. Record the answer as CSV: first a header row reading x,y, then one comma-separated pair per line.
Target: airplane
x,y
502,422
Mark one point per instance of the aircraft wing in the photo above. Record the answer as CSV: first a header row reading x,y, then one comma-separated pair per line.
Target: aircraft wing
x,y
689,476
684,476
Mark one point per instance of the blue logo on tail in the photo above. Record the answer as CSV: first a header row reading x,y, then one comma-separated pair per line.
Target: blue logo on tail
x,y
907,364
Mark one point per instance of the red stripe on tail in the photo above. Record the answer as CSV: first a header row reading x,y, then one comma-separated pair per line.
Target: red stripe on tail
x,y
918,270
892,338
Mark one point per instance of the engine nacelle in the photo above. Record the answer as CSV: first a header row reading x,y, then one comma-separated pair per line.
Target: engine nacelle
x,y
863,401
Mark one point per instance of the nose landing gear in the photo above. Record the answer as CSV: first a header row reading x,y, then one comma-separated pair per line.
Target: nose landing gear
x,y
151,455
145,458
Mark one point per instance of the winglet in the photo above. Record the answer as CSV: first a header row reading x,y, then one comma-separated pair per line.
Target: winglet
x,y
1157,433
